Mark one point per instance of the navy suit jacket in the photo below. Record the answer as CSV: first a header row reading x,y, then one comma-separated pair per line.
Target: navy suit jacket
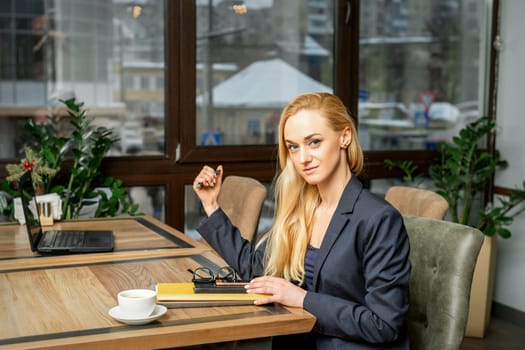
x,y
361,274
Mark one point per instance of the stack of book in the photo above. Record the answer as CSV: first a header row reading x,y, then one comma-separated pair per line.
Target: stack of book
x,y
201,294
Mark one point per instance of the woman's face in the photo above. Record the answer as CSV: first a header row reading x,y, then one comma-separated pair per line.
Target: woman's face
x,y
314,148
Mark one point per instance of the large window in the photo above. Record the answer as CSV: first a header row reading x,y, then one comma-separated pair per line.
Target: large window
x,y
420,65
192,82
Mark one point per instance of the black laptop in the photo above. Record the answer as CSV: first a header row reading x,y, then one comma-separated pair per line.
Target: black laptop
x,y
58,241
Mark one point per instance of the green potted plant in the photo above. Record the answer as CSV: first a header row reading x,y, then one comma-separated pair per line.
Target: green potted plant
x,y
83,148
463,171
461,174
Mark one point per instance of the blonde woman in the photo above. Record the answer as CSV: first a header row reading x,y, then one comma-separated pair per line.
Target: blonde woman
x,y
335,249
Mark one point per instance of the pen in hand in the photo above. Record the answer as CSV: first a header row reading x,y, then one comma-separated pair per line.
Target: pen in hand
x,y
200,184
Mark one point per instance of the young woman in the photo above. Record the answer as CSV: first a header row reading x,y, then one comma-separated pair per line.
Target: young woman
x,y
335,249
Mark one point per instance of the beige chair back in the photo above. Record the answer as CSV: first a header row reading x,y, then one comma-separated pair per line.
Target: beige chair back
x,y
417,201
443,255
242,199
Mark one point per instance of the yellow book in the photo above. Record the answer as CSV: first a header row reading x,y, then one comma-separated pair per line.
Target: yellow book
x,y
182,294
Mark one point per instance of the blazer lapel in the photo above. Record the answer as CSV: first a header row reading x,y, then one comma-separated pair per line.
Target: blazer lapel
x,y
340,219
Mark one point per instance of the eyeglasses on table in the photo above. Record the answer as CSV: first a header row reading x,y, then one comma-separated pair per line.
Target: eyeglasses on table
x,y
204,274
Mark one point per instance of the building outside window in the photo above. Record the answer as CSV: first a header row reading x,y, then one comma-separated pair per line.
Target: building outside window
x,y
90,50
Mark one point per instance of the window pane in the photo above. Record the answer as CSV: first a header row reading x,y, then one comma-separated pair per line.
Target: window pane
x,y
420,63
150,200
107,54
253,57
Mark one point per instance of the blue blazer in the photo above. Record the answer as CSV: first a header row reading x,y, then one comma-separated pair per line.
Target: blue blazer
x,y
361,274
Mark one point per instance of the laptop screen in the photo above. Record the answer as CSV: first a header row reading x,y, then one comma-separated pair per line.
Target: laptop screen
x,y
28,199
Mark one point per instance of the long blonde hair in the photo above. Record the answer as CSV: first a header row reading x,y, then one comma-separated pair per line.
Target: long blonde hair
x,y
295,199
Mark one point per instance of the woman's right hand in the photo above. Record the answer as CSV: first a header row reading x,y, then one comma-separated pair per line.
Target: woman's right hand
x,y
207,185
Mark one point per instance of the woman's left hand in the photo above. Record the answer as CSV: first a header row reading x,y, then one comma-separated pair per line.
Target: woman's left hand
x,y
281,291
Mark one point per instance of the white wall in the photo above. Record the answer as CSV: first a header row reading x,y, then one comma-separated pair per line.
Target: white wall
x,y
510,270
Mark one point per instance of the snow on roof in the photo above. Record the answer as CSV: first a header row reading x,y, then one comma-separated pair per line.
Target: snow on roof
x,y
264,84
250,4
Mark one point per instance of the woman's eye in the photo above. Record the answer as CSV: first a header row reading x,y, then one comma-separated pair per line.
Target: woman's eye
x,y
315,142
292,147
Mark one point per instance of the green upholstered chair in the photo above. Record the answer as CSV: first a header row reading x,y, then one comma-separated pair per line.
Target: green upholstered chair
x,y
443,255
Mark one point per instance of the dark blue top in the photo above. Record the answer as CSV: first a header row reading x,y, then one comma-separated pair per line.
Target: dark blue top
x,y
309,263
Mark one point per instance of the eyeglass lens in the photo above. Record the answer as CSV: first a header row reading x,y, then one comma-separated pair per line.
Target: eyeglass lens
x,y
203,274
226,273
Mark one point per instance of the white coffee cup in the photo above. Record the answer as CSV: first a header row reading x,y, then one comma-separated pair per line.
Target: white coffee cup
x,y
137,303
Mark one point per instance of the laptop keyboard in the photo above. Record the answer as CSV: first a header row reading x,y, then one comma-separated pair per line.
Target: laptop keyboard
x,y
64,239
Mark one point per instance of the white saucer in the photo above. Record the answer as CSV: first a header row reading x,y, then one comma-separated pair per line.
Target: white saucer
x,y
157,312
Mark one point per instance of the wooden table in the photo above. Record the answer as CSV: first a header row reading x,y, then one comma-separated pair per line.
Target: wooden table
x,y
63,301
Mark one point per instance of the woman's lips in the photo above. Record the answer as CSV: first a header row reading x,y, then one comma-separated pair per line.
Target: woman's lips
x,y
309,170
